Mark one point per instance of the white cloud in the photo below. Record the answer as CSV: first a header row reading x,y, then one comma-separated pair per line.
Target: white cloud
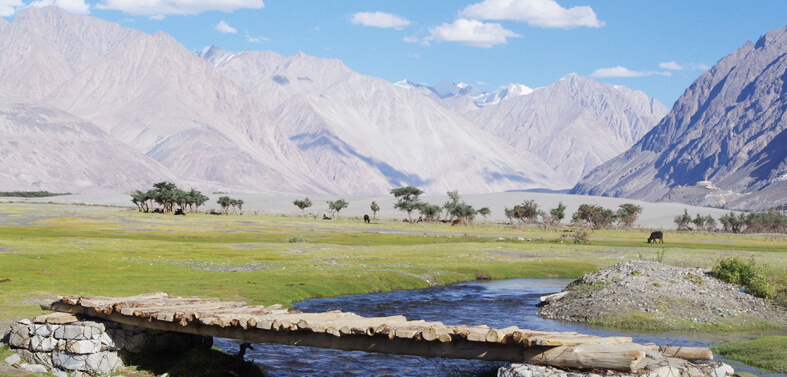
x,y
411,39
625,72
538,13
470,32
73,6
673,65
180,7
158,17
251,39
379,19
8,7
225,28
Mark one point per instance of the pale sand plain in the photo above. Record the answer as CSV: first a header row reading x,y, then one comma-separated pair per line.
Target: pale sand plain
x,y
654,215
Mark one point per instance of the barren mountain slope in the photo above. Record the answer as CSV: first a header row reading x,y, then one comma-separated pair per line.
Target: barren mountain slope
x,y
369,131
729,126
47,149
574,124
151,93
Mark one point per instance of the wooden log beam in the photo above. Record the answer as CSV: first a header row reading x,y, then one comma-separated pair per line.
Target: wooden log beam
x,y
621,357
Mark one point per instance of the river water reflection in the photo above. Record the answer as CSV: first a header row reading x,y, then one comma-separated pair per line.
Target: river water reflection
x,y
498,304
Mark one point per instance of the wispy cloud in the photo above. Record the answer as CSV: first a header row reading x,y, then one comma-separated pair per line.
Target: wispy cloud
x,y
9,7
379,19
411,39
674,66
470,32
225,28
180,7
73,6
538,13
157,17
620,71
251,39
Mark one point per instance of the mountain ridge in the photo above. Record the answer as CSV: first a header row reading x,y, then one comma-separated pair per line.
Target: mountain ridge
x,y
728,127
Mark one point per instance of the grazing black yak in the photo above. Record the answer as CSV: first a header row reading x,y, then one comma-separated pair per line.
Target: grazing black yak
x,y
657,235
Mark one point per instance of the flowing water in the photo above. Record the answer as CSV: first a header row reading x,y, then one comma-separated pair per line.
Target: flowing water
x,y
497,304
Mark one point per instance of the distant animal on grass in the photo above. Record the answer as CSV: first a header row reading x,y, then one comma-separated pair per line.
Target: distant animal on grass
x,y
325,217
367,219
158,210
179,211
456,222
656,236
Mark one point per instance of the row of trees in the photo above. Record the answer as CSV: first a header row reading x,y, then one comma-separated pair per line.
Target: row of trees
x,y
455,208
594,216
770,221
167,195
334,207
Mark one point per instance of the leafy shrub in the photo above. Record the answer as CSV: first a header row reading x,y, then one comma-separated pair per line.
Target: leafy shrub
x,y
298,239
749,275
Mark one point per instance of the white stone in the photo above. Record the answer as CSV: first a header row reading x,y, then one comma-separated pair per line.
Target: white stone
x,y
20,335
82,347
13,359
74,332
26,355
42,344
59,373
103,362
69,361
35,368
723,371
43,358
43,330
108,343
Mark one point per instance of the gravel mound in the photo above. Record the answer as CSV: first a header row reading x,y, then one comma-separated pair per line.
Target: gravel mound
x,y
672,296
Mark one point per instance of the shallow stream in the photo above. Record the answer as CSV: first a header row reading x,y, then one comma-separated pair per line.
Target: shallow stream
x,y
498,304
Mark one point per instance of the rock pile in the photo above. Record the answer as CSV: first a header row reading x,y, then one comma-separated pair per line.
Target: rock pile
x,y
61,342
662,293
713,369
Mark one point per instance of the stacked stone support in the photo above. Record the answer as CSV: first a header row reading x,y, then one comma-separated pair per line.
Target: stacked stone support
x,y
61,342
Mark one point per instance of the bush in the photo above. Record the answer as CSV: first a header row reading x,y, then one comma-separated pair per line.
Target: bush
x,y
749,275
298,239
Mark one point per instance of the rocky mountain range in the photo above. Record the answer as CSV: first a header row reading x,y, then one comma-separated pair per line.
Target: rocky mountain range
x,y
728,129
260,121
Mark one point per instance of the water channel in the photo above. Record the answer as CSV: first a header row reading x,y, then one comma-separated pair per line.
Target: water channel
x,y
498,304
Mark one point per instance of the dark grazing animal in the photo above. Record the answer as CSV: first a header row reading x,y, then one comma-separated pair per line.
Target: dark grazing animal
x,y
656,236
179,211
456,222
366,219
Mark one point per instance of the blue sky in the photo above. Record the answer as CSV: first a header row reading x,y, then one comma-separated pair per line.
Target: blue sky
x,y
659,47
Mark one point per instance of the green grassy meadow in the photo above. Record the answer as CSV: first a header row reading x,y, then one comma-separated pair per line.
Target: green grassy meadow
x,y
48,250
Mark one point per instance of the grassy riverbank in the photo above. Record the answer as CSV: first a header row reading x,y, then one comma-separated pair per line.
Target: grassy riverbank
x,y
52,249
48,250
769,352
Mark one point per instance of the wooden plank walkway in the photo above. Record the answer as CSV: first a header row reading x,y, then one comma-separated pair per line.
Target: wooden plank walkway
x,y
349,331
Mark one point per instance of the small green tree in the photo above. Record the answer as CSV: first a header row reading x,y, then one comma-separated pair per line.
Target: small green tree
x,y
699,222
449,205
141,200
430,212
510,214
375,208
225,203
464,212
407,200
710,223
303,204
683,221
334,207
527,212
556,215
484,211
597,217
628,214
